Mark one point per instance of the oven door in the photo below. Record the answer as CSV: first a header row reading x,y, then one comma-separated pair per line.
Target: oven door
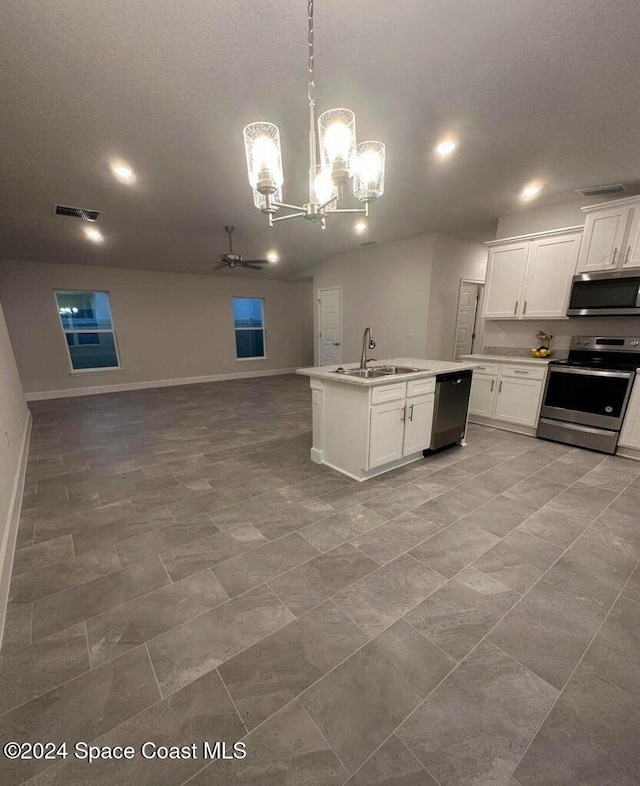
x,y
586,396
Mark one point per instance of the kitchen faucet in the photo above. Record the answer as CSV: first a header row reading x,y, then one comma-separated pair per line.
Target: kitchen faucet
x,y
370,345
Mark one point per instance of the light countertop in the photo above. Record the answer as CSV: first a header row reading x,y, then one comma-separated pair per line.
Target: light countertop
x,y
531,361
427,368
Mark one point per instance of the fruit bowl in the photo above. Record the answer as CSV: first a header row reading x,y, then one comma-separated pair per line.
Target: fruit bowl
x,y
541,353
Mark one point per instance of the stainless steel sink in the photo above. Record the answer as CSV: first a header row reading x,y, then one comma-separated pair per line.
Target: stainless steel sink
x,y
375,372
366,373
396,369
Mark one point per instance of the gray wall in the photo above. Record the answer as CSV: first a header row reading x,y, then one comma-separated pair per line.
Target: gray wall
x,y
169,326
407,291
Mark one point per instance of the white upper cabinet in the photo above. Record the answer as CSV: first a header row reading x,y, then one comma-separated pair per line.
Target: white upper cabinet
x,y
550,268
611,236
530,277
505,281
631,256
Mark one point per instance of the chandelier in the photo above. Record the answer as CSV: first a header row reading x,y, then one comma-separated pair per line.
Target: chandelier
x,y
341,161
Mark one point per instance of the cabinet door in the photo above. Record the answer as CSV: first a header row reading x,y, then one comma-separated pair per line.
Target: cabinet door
x,y
417,428
518,401
631,257
505,280
551,266
386,433
604,232
630,434
483,395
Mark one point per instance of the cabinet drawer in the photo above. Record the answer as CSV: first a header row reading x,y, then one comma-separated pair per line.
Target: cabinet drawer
x,y
382,393
418,387
523,372
490,369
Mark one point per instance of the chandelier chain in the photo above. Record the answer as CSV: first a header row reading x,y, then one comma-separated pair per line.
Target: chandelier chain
x,y
312,84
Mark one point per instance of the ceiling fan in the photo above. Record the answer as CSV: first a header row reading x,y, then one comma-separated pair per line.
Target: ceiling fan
x,y
230,259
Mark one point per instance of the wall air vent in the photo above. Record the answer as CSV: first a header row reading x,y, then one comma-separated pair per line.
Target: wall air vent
x,y
77,212
613,188
369,243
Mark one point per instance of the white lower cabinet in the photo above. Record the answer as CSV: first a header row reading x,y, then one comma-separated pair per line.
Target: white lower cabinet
x,y
483,395
509,392
518,401
630,435
399,429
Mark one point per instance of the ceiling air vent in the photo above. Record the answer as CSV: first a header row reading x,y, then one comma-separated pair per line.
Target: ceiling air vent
x,y
77,212
369,243
613,188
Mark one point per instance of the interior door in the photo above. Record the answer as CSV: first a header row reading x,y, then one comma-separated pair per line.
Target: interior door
x,y
419,420
552,264
330,327
503,295
468,300
603,236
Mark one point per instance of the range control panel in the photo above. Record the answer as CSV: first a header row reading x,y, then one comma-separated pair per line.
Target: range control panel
x,y
606,343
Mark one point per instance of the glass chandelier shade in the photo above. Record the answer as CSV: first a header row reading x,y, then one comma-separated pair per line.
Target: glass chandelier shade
x,y
368,181
337,137
264,157
260,200
324,188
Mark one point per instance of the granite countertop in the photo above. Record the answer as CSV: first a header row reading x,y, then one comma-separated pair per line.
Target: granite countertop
x,y
509,359
427,368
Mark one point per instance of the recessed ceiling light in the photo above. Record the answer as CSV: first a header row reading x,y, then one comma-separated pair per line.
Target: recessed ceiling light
x,y
445,148
530,191
123,173
360,227
95,235
273,256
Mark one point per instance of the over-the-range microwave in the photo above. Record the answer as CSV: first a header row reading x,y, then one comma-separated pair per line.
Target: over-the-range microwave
x,y
605,294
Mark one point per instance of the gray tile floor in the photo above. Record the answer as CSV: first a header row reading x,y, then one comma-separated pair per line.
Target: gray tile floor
x,y
185,573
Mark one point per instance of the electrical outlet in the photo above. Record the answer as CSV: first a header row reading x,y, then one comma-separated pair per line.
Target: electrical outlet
x,y
503,336
410,335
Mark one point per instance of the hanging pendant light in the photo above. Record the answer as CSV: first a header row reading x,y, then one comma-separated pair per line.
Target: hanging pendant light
x,y
341,160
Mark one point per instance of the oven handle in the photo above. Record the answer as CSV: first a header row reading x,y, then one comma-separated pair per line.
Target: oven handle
x,y
592,372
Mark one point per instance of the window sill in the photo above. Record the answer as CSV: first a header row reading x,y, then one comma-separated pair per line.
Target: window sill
x,y
77,371
243,360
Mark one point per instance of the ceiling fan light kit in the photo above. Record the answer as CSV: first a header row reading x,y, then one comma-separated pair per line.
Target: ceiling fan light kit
x,y
335,160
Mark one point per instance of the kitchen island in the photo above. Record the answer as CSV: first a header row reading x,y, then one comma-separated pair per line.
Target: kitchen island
x,y
366,425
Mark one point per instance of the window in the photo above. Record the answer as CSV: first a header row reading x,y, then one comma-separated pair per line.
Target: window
x,y
248,320
85,318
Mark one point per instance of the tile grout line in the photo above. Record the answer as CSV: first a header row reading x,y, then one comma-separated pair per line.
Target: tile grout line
x,y
575,668
231,699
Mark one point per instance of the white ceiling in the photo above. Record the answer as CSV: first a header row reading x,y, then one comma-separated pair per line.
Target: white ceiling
x,y
533,89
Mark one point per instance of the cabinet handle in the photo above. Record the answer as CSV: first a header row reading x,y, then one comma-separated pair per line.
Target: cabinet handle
x,y
411,412
515,308
403,417
336,343
520,372
493,384
615,254
626,257
500,388
524,310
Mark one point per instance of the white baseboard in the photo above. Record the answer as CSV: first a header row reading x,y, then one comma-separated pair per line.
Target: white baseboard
x,y
8,545
153,383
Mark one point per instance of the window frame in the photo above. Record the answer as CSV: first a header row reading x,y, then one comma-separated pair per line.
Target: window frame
x,y
263,328
112,330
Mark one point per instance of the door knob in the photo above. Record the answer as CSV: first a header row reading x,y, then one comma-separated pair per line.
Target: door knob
x,y
336,343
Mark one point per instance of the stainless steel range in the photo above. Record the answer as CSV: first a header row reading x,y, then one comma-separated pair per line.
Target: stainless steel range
x,y
586,395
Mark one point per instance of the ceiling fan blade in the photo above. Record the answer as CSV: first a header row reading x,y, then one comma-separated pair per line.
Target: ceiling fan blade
x,y
249,265
217,267
257,261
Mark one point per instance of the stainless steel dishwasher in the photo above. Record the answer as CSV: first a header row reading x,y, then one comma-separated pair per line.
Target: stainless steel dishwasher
x,y
450,409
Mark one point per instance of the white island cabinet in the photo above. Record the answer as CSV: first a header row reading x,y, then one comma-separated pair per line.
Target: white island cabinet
x,y
364,427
